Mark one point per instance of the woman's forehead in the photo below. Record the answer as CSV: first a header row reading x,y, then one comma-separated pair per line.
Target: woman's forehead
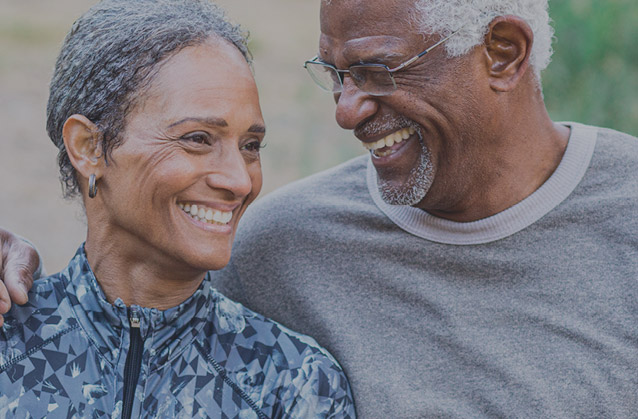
x,y
208,80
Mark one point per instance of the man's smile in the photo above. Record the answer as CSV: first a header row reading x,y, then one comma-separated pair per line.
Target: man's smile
x,y
387,145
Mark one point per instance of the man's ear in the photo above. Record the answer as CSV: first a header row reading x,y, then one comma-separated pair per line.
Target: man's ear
x,y
508,44
82,140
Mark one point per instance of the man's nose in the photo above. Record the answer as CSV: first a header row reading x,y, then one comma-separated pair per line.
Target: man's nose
x,y
353,105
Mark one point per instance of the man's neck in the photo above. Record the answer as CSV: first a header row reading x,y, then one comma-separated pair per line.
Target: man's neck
x,y
518,158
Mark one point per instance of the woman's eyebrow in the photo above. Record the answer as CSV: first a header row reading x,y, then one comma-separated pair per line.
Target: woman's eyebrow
x,y
218,122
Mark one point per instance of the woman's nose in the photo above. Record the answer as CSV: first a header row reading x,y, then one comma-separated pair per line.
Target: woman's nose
x,y
353,105
231,173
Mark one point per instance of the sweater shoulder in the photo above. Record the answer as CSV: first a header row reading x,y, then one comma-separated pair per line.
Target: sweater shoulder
x,y
313,201
334,182
616,147
613,170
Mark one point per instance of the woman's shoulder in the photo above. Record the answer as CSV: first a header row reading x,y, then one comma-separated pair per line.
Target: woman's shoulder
x,y
259,351
28,327
250,328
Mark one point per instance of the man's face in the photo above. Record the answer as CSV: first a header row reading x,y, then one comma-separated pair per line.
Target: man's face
x,y
426,124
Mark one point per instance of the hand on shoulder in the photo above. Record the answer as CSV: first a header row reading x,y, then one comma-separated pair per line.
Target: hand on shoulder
x,y
19,261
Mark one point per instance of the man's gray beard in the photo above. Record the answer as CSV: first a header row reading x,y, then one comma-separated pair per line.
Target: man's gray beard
x,y
417,185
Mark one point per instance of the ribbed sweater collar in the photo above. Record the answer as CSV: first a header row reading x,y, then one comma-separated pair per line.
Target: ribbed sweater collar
x,y
559,186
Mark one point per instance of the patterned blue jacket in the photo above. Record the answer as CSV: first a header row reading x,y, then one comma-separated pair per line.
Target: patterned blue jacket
x,y
69,353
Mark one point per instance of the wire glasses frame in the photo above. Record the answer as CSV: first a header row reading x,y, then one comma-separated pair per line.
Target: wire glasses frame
x,y
373,79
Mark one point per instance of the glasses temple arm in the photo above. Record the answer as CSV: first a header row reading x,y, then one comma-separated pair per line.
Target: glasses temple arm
x,y
416,57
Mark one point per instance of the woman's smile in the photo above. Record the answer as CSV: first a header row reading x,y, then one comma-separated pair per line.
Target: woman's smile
x,y
206,218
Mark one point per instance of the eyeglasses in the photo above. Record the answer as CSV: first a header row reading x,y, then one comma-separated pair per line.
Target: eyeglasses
x,y
373,79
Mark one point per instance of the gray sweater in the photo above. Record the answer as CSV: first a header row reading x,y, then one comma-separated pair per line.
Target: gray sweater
x,y
532,312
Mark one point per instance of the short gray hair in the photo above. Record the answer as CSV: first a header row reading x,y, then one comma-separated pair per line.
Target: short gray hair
x,y
112,53
443,17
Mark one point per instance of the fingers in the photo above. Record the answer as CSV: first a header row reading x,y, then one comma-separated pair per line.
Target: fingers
x,y
5,303
18,263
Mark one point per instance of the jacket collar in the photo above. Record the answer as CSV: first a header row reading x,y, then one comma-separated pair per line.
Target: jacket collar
x,y
107,325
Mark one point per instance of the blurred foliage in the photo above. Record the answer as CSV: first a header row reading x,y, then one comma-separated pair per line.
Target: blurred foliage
x,y
593,77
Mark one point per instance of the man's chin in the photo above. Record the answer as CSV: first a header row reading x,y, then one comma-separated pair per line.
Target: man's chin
x,y
409,193
412,189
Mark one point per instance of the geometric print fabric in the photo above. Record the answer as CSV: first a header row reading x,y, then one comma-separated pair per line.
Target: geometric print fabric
x,y
62,355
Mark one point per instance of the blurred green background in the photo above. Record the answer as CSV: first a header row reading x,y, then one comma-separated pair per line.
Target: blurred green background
x,y
593,78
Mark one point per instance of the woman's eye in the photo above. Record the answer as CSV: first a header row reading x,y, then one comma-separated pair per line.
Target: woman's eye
x,y
198,138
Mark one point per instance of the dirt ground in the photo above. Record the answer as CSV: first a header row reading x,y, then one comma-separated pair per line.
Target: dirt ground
x,y
302,135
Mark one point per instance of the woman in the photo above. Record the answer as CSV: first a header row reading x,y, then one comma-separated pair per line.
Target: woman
x,y
155,112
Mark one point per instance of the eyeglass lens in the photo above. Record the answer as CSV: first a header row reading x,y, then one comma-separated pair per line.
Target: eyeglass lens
x,y
372,79
326,77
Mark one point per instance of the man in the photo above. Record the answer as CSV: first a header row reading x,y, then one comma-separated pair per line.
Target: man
x,y
482,261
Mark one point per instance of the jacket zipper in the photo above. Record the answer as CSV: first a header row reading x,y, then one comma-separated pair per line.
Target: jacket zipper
x,y
133,365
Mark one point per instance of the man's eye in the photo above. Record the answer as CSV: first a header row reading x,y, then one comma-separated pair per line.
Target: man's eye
x,y
253,146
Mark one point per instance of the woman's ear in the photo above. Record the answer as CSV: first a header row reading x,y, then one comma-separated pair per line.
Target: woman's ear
x,y
508,44
82,140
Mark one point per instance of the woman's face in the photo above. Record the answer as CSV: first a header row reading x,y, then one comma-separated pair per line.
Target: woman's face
x,y
188,166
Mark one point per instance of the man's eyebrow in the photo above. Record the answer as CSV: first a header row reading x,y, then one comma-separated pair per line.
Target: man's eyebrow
x,y
218,122
257,128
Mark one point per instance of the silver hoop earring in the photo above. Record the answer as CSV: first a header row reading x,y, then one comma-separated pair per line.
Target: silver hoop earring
x,y
92,186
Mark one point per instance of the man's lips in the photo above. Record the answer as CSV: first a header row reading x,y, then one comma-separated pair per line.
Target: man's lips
x,y
390,143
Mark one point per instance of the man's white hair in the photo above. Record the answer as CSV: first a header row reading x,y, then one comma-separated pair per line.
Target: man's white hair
x,y
443,17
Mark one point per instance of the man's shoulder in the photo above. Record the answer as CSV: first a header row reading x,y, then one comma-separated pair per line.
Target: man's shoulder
x,y
335,181
317,198
608,191
615,157
614,143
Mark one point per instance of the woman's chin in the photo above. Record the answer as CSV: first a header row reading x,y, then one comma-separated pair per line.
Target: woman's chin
x,y
206,260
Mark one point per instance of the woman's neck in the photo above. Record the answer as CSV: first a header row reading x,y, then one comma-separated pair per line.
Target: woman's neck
x,y
139,275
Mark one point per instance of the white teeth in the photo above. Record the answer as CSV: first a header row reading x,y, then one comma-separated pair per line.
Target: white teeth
x,y
390,139
207,215
379,153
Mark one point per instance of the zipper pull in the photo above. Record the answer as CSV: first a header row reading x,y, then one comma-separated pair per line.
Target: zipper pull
x,y
134,319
